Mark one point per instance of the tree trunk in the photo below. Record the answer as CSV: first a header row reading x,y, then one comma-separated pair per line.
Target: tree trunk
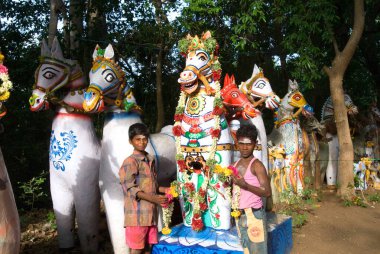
x,y
160,102
160,20
76,28
335,73
56,7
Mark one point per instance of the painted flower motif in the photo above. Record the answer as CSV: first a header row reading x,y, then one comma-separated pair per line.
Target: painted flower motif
x,y
189,186
216,74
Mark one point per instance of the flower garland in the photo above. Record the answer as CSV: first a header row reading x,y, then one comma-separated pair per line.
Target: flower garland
x,y
6,83
167,209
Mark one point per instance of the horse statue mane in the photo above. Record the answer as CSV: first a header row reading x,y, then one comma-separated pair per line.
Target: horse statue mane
x,y
202,136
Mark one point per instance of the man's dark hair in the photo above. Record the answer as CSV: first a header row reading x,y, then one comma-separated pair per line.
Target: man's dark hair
x,y
247,131
138,129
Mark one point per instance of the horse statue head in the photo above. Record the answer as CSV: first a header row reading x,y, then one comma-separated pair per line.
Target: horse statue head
x,y
53,73
107,87
236,101
201,63
294,99
259,90
5,86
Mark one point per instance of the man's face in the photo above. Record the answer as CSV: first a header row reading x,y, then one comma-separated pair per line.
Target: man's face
x,y
246,146
139,142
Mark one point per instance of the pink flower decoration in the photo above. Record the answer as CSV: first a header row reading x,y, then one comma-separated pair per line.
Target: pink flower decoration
x,y
3,69
234,170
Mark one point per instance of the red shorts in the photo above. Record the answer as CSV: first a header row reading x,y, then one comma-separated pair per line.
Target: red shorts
x,y
137,237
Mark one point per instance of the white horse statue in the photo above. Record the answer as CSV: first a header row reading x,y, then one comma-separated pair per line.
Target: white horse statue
x,y
9,220
108,92
288,133
327,118
74,148
260,92
202,137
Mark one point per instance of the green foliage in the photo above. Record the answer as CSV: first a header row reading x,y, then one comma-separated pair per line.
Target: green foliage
x,y
51,219
354,201
374,197
32,190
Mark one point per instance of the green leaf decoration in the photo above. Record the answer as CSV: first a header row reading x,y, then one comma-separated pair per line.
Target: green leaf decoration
x,y
183,45
128,105
100,52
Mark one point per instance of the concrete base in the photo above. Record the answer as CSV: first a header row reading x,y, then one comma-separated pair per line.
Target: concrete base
x,y
183,240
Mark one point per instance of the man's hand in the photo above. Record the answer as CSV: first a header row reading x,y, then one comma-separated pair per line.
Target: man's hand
x,y
159,199
239,181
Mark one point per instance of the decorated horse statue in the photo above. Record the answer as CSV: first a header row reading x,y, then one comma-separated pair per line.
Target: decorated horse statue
x,y
9,220
243,104
203,140
366,141
109,92
327,118
287,132
312,128
74,149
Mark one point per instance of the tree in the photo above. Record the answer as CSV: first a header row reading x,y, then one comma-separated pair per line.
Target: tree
x,y
336,73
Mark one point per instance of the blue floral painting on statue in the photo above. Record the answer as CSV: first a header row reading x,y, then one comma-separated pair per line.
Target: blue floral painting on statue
x,y
61,148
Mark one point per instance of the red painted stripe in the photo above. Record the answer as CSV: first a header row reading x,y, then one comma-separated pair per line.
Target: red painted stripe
x,y
75,115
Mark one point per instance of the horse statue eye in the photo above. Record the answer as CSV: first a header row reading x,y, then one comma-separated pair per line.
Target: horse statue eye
x,y
48,75
109,77
297,97
203,58
235,95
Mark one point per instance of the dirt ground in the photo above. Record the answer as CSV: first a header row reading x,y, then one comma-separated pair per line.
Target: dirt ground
x,y
331,228
334,228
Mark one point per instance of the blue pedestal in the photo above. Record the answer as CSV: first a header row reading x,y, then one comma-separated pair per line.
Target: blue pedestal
x,y
183,240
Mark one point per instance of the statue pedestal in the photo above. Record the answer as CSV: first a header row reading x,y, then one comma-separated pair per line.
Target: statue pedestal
x,y
209,241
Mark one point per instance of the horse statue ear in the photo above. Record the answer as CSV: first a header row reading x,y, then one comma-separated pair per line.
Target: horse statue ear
x,y
232,79
56,50
256,70
206,35
226,80
109,53
95,53
293,86
45,50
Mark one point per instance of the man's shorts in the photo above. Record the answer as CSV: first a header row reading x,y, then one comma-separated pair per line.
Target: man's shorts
x,y
137,237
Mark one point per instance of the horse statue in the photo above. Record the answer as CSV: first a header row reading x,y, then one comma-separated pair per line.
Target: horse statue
x,y
74,148
203,140
327,118
9,220
108,92
312,129
366,141
288,133
260,93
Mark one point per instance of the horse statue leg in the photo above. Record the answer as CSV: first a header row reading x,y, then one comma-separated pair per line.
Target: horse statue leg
x,y
332,167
